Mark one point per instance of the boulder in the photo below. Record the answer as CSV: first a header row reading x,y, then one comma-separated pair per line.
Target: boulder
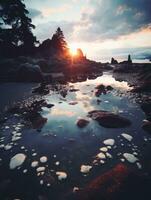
x,y
108,119
29,73
120,182
81,123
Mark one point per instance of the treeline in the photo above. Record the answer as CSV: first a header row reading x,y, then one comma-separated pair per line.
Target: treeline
x,y
16,37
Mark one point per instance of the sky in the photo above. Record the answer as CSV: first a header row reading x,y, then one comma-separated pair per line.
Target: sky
x,y
101,28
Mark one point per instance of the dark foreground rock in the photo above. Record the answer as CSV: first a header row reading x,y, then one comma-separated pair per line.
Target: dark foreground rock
x,y
42,89
29,73
81,123
118,183
108,119
31,112
147,126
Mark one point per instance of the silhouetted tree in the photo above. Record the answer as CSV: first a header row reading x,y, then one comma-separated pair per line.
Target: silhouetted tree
x,y
129,59
58,42
16,26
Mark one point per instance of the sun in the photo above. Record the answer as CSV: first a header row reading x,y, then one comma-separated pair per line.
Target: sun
x,y
73,51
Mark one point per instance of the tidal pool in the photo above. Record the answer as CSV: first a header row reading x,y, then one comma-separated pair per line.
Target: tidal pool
x,y
59,158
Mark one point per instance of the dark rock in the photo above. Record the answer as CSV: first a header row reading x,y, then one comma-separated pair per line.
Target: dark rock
x,y
73,103
144,87
119,183
104,186
109,87
98,101
146,107
109,120
38,121
100,87
29,73
42,89
100,90
73,90
49,105
81,123
147,126
113,61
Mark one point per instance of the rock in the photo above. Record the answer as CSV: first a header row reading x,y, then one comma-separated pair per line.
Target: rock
x,y
147,126
104,186
109,87
73,103
61,175
146,107
49,105
17,160
29,73
118,183
113,61
108,119
130,157
85,168
81,123
38,121
101,89
73,90
42,89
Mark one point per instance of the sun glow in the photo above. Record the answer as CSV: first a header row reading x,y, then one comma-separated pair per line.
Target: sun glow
x,y
73,51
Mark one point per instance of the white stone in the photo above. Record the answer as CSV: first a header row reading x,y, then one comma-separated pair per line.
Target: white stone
x,y
17,160
85,168
61,175
109,142
34,164
127,136
40,169
104,149
130,157
101,155
43,159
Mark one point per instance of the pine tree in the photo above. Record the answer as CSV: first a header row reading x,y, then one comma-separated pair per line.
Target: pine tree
x,y
58,41
14,16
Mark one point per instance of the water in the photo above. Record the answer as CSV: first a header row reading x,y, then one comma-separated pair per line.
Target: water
x,y
68,147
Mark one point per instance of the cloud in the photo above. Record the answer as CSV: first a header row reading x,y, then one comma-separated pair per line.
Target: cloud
x,y
113,18
33,13
49,11
46,30
102,20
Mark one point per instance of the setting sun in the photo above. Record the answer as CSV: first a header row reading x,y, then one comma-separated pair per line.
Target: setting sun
x,y
73,51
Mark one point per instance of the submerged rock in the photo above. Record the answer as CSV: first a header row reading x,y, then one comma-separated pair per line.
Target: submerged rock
x,y
108,119
43,159
109,142
81,123
61,175
104,186
85,168
130,157
17,160
127,136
